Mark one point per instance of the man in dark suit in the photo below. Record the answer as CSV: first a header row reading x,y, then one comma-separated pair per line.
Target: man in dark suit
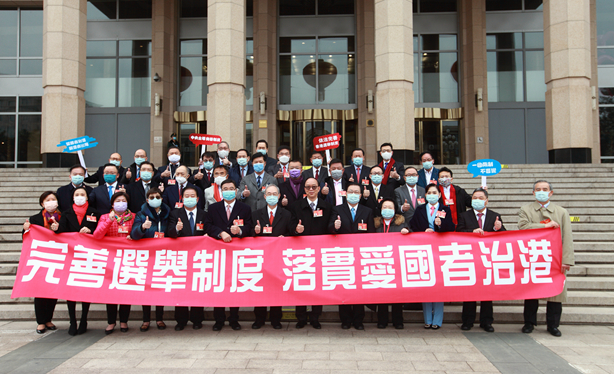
x,y
252,187
98,177
173,192
351,218
262,146
185,222
242,168
410,195
317,171
167,172
100,197
478,220
133,172
270,221
334,188
393,170
428,174
138,190
223,151
357,172
310,216
375,192
64,193
293,188
204,178
225,220
281,169
452,196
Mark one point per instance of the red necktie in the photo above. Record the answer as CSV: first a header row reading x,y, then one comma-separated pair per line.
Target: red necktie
x,y
179,193
271,218
432,209
358,173
317,174
208,176
480,219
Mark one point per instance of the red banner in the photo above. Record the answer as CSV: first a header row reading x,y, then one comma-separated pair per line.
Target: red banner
x,y
324,142
310,270
204,139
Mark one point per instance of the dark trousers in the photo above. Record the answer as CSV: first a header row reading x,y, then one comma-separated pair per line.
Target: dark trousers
x,y
469,313
301,313
219,313
553,312
72,311
147,313
124,313
195,314
44,308
352,313
397,314
275,315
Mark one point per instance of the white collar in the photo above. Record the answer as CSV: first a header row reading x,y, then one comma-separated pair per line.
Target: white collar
x,y
484,212
187,212
114,184
309,201
269,210
350,207
232,205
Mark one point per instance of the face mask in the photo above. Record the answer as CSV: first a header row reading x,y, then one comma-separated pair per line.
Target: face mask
x,y
50,205
284,159
219,180
76,179
258,168
115,162
174,158
242,161
432,199
208,165
146,176
295,173
180,180
376,178
80,200
478,204
353,198
317,162
542,196
446,182
174,138
222,153
263,151
386,155
272,200
120,206
190,202
387,213
357,161
411,180
427,165
229,195
139,160
110,178
154,203
336,174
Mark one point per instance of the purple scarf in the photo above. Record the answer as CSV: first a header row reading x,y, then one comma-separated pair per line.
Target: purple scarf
x,y
296,184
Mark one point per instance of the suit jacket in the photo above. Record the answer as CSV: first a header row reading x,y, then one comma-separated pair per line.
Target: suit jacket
x,y
282,221
64,194
217,221
401,194
158,174
98,177
269,165
385,191
37,220
420,222
350,171
463,200
210,196
422,182
467,221
235,172
171,195
70,223
285,188
331,198
399,167
205,182
177,214
133,171
218,161
363,215
256,198
301,211
99,198
309,173
277,167
136,191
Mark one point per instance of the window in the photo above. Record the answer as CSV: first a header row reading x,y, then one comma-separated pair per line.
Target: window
x,y
434,6
249,72
20,131
516,67
21,44
605,33
498,5
315,7
102,10
118,73
193,87
193,9
436,68
606,124
317,70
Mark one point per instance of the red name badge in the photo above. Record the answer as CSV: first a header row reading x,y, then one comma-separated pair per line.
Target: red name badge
x,y
421,201
365,182
304,195
158,235
317,213
267,230
200,227
263,188
342,193
178,205
449,202
433,181
546,221
362,226
123,229
91,219
441,214
286,175
238,222
380,200
171,182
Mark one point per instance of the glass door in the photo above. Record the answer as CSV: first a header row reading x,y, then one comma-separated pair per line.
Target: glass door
x,y
302,134
190,153
440,138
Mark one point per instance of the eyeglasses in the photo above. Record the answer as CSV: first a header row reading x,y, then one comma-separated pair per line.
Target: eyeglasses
x,y
153,197
311,187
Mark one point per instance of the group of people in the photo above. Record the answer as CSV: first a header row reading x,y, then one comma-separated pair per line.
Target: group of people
x,y
279,197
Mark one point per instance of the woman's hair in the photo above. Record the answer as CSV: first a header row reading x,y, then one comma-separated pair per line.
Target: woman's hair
x,y
46,195
118,194
153,191
426,190
80,188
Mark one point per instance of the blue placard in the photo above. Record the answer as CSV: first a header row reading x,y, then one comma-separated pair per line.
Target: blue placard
x,y
484,168
78,144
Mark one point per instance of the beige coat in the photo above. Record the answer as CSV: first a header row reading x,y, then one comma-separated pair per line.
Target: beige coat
x,y
530,217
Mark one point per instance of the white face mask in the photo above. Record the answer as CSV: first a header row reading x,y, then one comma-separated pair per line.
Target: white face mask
x,y
180,180
222,153
50,205
219,180
386,155
80,200
284,159
174,158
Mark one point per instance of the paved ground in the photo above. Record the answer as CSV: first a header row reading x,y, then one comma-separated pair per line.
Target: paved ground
x,y
582,349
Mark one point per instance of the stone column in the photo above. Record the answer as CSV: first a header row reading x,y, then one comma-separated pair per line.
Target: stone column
x,y
365,67
473,65
394,76
64,42
596,153
567,49
164,63
226,70
265,71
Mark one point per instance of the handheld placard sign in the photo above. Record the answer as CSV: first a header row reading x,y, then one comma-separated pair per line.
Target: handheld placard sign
x,y
78,145
326,143
485,168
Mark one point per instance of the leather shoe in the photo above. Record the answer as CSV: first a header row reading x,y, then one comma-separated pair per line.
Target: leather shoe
x,y
301,324
346,326
42,331
359,326
235,326
488,328
381,326
52,328
123,329
316,325
72,329
82,328
554,331
109,332
218,326
399,326
179,327
256,325
466,327
527,328
197,326
276,325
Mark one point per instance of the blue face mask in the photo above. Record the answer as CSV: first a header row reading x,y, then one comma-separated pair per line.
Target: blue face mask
x,y
353,198
229,195
376,178
76,179
190,202
542,196
357,161
317,162
258,168
263,151
242,161
208,165
478,204
432,199
115,162
272,200
146,176
387,213
110,178
139,160
427,165
154,203
411,180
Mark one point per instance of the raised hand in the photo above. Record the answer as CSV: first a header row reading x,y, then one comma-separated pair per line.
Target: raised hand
x,y
300,228
54,224
128,173
226,161
284,201
199,175
257,227
161,187
438,221
166,173
26,225
179,225
246,192
393,173
325,190
351,178
405,206
147,224
366,193
498,224
235,230
338,223
279,174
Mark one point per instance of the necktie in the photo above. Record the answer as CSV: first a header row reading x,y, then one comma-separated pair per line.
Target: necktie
x,y
313,206
413,198
179,187
259,181
358,173
271,218
376,192
228,212
317,174
110,191
138,172
385,166
192,221
208,176
146,188
284,173
432,209
353,213
242,172
480,219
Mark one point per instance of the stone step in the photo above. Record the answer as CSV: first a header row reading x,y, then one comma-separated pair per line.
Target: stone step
x,y
587,269
590,283
594,258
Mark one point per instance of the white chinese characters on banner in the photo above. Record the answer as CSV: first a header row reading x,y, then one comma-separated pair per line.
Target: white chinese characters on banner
x,y
300,270
49,255
498,264
209,270
338,268
88,267
458,268
247,270
377,267
417,266
170,270
130,270
536,271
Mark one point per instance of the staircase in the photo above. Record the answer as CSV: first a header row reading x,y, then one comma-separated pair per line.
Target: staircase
x,y
585,190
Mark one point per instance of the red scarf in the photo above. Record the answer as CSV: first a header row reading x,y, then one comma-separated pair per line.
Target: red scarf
x,y
47,218
388,169
216,193
80,211
453,198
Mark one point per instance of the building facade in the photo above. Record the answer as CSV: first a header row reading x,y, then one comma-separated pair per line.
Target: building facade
x,y
520,81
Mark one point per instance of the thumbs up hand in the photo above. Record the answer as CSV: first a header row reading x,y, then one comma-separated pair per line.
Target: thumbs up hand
x,y
405,206
438,221
394,174
161,187
338,223
300,228
166,173
179,225
325,190
351,178
54,224
147,224
199,175
246,192
257,227
128,174
498,224
26,225
284,201
366,193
